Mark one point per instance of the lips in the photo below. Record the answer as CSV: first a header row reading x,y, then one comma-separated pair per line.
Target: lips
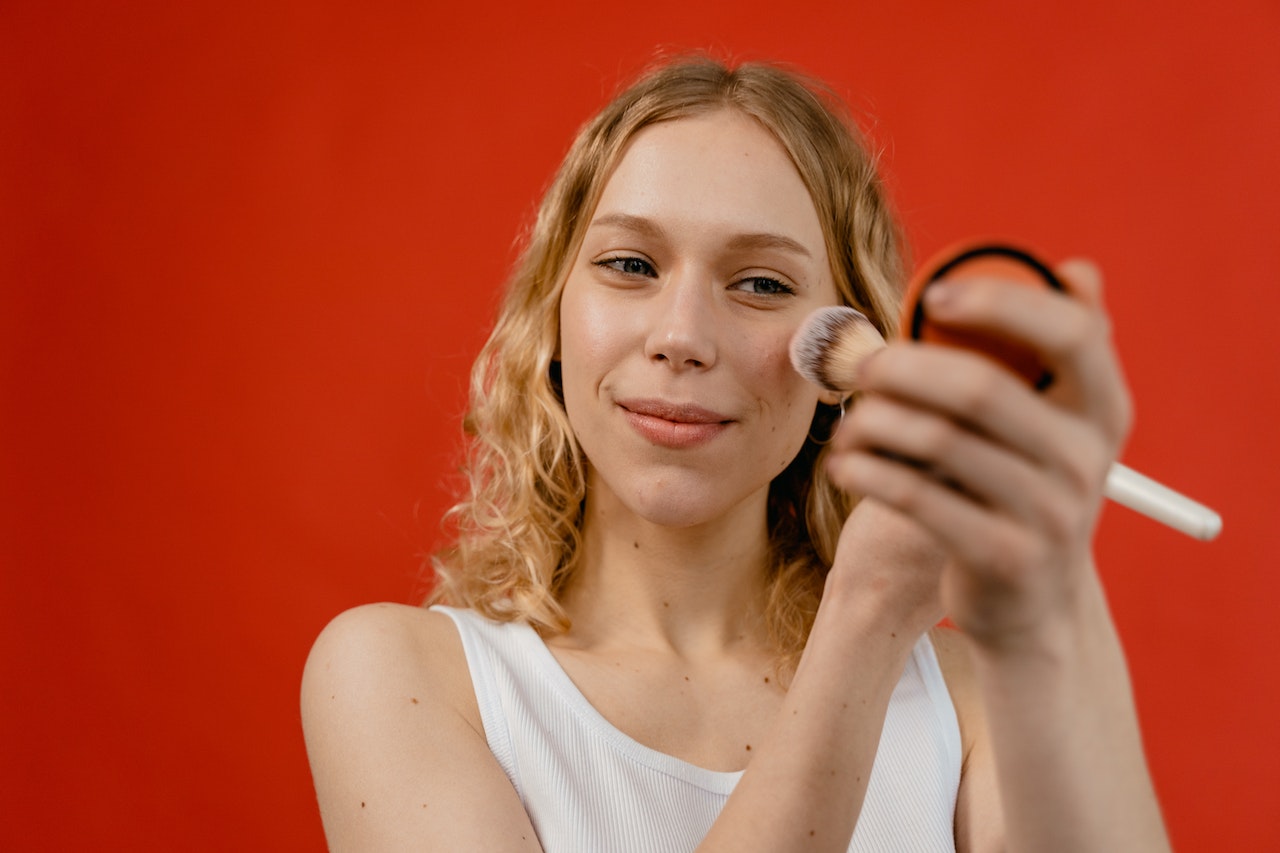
x,y
674,425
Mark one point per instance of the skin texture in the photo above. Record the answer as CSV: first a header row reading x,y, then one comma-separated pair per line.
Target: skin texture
x,y
703,257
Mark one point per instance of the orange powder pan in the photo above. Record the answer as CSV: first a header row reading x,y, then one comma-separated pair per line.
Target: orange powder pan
x,y
979,260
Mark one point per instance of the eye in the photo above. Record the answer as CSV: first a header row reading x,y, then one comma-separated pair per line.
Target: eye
x,y
764,286
628,265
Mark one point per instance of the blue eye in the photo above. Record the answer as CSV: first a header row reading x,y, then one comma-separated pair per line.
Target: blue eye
x,y
628,266
764,286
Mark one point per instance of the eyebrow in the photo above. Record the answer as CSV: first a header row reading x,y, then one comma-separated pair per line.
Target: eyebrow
x,y
629,222
739,242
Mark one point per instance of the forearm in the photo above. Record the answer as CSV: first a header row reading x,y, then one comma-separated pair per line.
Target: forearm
x,y
804,787
1064,731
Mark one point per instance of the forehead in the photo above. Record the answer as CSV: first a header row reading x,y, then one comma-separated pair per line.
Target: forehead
x,y
721,171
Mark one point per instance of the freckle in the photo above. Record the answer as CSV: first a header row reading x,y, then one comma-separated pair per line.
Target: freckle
x,y
686,678
635,544
844,704
413,700
666,604
811,833
893,634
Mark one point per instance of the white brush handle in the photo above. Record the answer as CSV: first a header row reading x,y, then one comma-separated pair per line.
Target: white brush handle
x,y
1143,494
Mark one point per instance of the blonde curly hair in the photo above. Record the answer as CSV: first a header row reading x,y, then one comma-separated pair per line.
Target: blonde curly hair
x,y
516,537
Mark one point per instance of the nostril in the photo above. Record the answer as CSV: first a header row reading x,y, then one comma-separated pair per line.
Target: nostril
x,y
679,362
681,343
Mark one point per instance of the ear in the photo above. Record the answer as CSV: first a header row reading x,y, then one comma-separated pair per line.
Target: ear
x,y
831,398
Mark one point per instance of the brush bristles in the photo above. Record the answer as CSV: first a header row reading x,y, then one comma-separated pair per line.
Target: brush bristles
x,y
831,344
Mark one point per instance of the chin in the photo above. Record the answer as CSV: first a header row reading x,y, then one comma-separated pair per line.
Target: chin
x,y
685,502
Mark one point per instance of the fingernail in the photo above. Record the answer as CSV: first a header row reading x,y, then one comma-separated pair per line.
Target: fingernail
x,y
940,294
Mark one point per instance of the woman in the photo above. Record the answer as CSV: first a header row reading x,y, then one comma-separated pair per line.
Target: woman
x,y
671,626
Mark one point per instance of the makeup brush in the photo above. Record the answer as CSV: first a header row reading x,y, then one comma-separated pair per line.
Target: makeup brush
x,y
832,342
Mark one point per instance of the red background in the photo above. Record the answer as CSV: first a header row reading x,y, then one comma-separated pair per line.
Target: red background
x,y
249,250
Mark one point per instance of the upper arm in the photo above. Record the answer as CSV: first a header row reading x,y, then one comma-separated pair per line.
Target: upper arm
x,y
979,817
393,736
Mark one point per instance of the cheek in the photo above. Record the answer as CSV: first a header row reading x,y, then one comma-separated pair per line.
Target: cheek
x,y
580,341
787,397
592,341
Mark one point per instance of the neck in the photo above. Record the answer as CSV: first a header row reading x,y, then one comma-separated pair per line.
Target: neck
x,y
693,591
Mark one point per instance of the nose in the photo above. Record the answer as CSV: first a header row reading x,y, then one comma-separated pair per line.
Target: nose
x,y
682,329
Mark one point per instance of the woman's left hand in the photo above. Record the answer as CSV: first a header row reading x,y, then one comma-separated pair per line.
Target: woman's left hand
x,y
1008,479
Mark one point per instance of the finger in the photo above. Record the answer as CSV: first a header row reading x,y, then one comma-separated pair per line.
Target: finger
x,y
972,534
1083,280
1071,336
968,463
967,388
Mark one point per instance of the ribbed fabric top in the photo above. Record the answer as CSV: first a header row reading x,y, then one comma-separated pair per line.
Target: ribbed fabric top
x,y
589,788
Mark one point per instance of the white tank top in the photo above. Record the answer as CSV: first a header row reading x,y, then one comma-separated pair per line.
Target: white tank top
x,y
589,788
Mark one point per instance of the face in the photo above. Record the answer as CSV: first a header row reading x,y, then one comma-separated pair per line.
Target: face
x,y
701,260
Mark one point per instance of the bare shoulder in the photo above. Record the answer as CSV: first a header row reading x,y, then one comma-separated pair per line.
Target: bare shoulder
x,y
397,750
385,620
388,653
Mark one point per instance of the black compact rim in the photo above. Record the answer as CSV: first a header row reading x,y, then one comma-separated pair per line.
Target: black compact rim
x,y
987,250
